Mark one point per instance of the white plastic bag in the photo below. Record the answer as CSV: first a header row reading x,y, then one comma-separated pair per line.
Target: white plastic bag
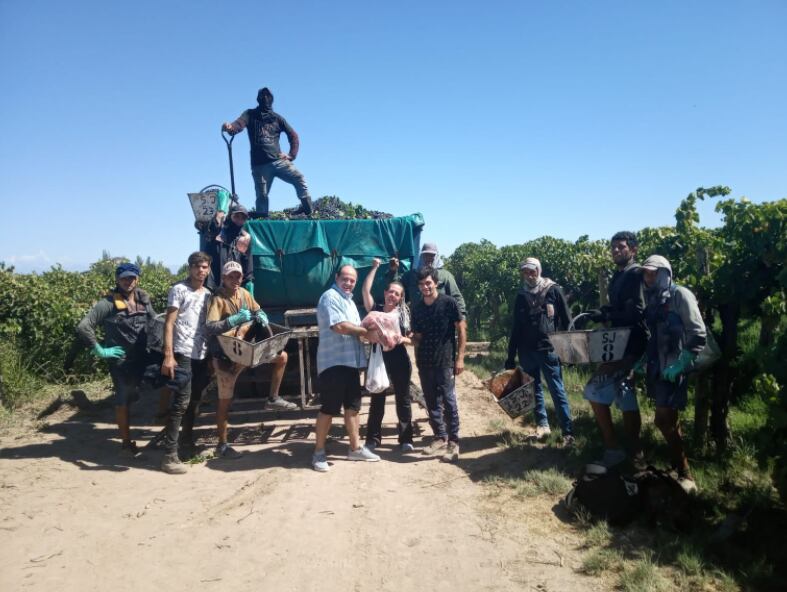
x,y
376,376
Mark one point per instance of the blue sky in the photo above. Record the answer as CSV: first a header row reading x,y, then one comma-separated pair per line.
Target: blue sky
x,y
496,120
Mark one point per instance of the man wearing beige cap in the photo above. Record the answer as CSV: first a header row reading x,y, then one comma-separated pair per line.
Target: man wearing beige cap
x,y
540,309
429,257
233,311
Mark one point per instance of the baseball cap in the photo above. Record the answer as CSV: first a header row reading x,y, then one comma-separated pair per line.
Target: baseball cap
x,y
429,249
127,270
230,267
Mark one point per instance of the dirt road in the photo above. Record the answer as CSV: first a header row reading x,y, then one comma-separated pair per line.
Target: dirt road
x,y
74,517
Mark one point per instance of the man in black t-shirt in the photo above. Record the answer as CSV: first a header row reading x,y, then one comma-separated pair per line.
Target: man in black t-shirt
x,y
436,322
611,382
264,127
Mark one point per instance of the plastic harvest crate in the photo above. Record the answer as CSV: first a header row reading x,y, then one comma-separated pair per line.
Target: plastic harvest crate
x,y
254,354
585,347
519,401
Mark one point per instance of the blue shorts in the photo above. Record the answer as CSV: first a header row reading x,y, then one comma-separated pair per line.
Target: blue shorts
x,y
606,389
673,395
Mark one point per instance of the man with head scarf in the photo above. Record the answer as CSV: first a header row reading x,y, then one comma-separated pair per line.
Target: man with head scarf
x,y
230,242
264,127
429,257
540,309
124,315
677,336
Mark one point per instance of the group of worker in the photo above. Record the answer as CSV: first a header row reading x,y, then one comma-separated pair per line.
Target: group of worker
x,y
666,335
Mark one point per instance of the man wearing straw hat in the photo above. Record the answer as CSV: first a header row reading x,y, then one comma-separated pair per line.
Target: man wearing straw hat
x,y
540,309
611,383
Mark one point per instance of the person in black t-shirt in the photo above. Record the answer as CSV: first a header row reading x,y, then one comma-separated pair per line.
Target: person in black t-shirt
x,y
397,363
611,382
264,127
440,357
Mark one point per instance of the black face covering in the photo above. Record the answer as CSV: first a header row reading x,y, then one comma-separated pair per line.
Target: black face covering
x,y
265,99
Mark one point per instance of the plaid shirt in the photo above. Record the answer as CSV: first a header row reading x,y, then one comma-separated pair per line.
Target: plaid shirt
x,y
334,349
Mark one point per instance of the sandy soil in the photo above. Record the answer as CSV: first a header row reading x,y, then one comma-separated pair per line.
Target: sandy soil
x,y
76,517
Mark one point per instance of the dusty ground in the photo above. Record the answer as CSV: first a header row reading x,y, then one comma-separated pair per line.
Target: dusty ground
x,y
75,517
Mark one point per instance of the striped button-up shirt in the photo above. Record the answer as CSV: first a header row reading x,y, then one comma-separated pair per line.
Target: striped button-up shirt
x,y
335,349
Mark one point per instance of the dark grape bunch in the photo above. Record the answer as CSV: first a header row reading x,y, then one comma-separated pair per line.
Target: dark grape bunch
x,y
331,207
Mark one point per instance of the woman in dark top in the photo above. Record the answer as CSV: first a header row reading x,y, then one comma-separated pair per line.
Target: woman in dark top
x,y
397,363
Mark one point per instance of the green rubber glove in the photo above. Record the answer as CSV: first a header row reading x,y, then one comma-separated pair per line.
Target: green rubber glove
x,y
108,353
680,366
250,287
640,367
261,318
240,317
222,201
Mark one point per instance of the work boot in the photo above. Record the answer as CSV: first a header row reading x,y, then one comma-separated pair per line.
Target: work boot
x,y
305,207
171,464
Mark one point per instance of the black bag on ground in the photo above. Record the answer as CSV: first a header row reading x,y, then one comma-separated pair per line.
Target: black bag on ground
x,y
664,501
611,497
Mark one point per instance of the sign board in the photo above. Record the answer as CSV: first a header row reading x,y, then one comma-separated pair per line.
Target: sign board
x,y
203,205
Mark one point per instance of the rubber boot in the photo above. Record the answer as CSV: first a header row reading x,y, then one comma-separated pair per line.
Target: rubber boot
x,y
171,464
305,207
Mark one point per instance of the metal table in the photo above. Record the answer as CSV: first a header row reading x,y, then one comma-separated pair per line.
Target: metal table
x,y
302,334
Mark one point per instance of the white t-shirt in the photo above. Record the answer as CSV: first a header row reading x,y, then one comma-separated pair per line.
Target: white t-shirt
x,y
189,337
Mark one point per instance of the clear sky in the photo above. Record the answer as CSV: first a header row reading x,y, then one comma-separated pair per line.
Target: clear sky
x,y
496,120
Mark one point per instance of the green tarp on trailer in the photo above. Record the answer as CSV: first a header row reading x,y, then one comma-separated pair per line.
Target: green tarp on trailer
x,y
295,260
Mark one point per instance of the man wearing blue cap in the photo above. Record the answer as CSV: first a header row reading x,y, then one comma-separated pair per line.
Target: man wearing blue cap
x,y
124,315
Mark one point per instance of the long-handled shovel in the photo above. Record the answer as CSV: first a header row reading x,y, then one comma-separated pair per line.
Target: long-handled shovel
x,y
228,138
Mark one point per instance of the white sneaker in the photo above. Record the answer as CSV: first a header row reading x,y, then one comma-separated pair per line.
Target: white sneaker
x,y
320,462
280,404
542,432
363,454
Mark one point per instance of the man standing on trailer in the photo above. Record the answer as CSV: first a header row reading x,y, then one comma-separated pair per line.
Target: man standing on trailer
x,y
264,127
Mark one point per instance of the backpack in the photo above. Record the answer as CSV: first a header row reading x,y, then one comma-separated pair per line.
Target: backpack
x,y
611,497
619,499
664,501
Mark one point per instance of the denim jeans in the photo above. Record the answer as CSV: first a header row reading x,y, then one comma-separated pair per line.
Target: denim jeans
x,y
399,368
185,403
536,363
264,174
438,387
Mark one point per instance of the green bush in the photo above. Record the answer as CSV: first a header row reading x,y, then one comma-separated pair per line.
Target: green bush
x,y
39,312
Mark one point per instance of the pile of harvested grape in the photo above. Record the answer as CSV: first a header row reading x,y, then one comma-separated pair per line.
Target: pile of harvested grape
x,y
331,207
